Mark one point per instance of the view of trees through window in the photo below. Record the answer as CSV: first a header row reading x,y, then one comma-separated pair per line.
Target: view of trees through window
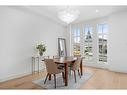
x,y
86,36
102,41
88,42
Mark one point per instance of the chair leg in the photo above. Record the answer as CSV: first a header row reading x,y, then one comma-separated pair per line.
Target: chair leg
x,y
75,76
55,80
46,78
70,70
79,73
63,76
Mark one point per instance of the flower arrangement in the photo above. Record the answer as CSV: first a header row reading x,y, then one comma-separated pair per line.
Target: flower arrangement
x,y
41,48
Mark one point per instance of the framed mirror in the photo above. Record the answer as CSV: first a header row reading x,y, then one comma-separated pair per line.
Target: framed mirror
x,y
62,47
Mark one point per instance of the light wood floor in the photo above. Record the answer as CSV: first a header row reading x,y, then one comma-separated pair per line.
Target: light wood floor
x,y
101,79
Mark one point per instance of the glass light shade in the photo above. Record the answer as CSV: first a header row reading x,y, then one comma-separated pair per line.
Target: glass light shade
x,y
68,16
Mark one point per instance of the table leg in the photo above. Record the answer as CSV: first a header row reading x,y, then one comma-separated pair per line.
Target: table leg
x,y
81,68
32,66
38,65
49,76
66,74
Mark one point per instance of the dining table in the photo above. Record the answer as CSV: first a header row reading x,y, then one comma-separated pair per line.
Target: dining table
x,y
66,61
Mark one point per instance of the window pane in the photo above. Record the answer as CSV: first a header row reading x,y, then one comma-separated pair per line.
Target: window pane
x,y
100,36
88,33
88,30
100,28
78,32
76,50
74,32
105,37
76,39
105,28
100,48
88,36
88,52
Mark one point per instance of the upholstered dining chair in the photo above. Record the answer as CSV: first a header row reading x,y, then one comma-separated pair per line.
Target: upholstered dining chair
x,y
60,66
76,67
52,68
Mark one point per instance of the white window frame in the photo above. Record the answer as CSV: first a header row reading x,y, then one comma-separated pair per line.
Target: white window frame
x,y
72,40
83,32
101,62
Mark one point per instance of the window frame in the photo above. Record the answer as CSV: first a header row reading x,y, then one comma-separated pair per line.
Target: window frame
x,y
73,40
84,38
102,34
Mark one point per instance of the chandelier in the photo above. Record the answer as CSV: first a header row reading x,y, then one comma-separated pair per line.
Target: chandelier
x,y
68,15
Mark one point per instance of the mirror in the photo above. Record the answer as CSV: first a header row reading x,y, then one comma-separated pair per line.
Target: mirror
x,y
62,47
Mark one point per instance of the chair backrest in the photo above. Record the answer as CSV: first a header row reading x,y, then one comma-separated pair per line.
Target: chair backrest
x,y
77,63
51,67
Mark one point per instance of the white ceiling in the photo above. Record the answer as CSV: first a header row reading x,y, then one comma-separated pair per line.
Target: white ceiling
x,y
86,12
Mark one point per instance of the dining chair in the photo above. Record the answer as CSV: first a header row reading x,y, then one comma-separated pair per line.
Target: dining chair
x,y
60,66
52,68
76,67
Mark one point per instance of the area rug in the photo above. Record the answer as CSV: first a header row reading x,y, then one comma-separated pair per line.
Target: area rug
x,y
60,84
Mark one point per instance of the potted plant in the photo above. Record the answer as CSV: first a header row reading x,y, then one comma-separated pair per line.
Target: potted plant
x,y
41,48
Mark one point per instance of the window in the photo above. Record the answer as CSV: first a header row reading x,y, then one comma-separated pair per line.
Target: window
x,y
88,43
102,42
76,41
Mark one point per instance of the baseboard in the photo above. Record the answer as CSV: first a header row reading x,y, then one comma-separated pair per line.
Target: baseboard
x,y
15,76
102,66
117,70
107,67
19,76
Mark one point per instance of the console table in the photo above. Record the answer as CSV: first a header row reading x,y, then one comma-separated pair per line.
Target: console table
x,y
37,58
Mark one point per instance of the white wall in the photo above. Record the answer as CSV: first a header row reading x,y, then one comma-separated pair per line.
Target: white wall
x,y
19,33
117,43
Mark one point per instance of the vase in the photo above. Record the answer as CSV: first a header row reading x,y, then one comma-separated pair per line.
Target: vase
x,y
41,53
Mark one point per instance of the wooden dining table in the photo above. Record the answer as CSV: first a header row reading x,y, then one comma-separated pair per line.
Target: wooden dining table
x,y
66,61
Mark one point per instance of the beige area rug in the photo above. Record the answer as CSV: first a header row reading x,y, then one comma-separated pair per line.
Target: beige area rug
x,y
59,82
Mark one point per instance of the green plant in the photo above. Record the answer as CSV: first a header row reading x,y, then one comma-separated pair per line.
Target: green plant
x,y
41,48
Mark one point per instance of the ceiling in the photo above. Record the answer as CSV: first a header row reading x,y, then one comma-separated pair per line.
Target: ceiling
x,y
86,12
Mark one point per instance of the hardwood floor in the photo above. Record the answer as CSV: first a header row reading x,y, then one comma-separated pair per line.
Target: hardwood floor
x,y
101,79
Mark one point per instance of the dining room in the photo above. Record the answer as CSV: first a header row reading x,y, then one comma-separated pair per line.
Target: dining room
x,y
63,47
